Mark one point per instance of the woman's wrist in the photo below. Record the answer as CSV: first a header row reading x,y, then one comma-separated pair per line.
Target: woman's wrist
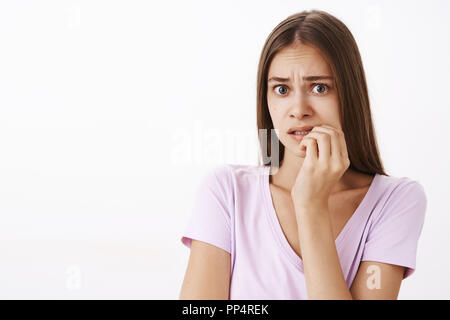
x,y
310,208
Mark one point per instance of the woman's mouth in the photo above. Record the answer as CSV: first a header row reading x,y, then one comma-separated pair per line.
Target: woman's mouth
x,y
298,135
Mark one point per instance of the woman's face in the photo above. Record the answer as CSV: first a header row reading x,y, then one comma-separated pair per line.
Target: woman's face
x,y
300,100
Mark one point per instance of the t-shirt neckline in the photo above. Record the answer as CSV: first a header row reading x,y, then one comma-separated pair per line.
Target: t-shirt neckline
x,y
277,231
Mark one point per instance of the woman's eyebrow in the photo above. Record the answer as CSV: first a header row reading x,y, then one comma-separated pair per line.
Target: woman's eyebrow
x,y
307,78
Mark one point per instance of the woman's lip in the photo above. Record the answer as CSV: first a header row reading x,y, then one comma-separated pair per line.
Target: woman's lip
x,y
298,137
305,128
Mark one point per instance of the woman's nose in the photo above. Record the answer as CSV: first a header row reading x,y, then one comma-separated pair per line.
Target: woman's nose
x,y
299,104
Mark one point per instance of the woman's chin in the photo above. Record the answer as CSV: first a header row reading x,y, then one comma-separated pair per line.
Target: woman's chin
x,y
298,153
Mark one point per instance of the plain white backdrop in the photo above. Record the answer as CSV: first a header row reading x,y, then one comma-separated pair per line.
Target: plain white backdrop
x,y
111,112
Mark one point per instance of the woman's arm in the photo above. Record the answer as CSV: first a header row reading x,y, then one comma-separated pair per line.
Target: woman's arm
x,y
376,280
208,273
323,273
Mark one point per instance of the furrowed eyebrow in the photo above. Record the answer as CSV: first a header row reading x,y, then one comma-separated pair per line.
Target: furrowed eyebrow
x,y
308,78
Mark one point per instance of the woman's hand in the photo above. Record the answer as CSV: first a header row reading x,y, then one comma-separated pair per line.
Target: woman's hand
x,y
325,163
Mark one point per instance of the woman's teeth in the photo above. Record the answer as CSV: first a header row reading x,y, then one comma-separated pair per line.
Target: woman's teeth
x,y
301,132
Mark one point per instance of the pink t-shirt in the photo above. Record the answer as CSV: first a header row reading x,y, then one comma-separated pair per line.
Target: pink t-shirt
x,y
233,210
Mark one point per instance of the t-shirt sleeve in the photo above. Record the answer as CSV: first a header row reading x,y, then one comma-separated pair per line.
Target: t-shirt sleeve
x,y
393,236
211,213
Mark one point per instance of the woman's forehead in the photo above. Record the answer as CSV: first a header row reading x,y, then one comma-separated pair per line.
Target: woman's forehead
x,y
301,57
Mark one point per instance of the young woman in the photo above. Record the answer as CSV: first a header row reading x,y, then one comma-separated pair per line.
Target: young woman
x,y
320,219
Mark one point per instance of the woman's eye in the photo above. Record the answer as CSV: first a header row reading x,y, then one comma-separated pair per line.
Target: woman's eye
x,y
320,85
282,93
322,88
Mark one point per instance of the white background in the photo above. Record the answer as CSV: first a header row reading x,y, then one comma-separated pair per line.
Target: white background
x,y
111,112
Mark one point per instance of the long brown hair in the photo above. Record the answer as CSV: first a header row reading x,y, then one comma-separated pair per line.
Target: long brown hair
x,y
334,40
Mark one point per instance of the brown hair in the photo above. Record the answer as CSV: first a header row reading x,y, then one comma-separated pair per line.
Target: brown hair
x,y
335,41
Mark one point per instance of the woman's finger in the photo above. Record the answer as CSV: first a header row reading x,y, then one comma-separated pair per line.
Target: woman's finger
x,y
311,148
326,143
335,148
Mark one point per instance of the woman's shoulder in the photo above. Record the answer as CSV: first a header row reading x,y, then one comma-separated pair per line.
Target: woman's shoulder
x,y
235,176
398,182
401,189
237,171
